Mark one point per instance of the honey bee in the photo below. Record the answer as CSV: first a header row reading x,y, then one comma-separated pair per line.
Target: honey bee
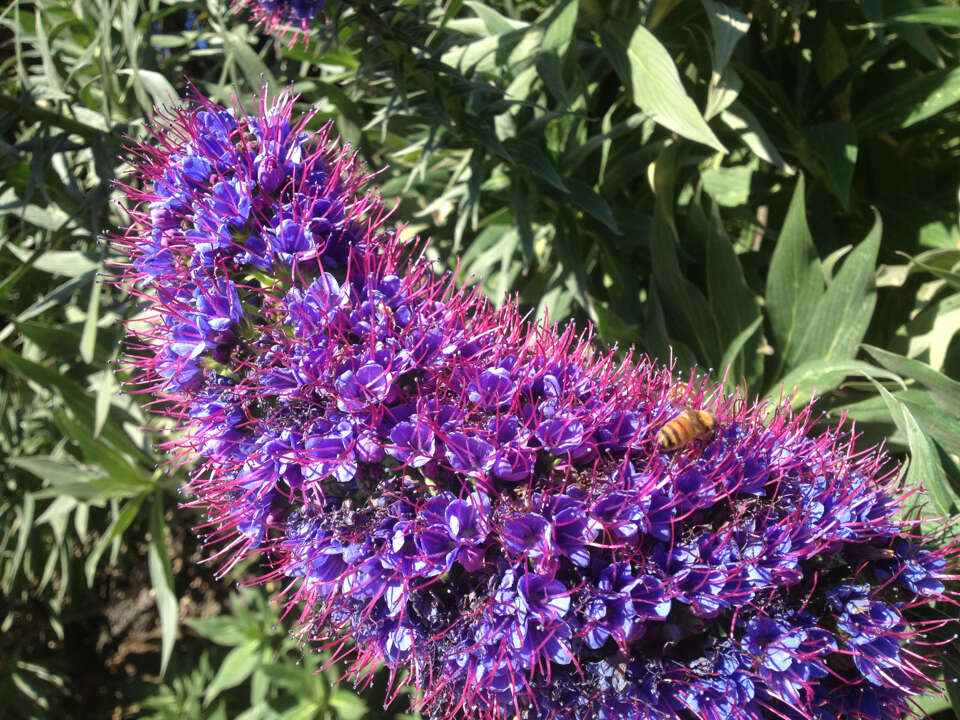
x,y
686,427
246,141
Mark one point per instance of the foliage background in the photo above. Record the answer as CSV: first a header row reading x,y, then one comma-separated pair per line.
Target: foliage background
x,y
770,187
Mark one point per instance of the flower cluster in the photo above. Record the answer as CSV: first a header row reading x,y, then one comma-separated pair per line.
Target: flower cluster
x,y
292,16
481,503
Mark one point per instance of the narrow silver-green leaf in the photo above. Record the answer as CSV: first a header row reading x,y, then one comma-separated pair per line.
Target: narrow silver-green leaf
x,y
161,577
119,525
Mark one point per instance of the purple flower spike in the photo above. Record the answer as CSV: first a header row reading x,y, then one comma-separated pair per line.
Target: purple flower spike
x,y
480,503
282,16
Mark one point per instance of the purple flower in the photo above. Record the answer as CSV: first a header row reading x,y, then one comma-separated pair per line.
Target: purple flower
x,y
481,503
290,16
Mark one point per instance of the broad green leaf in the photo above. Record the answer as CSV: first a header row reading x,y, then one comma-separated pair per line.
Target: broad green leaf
x,y
729,187
722,92
734,350
304,710
161,577
727,26
56,471
942,263
559,26
298,679
59,342
944,389
588,199
646,67
494,22
124,477
835,145
222,629
794,281
235,668
517,50
106,391
946,15
735,307
253,68
656,340
909,102
347,705
71,263
683,300
843,313
819,377
536,161
157,86
925,469
745,124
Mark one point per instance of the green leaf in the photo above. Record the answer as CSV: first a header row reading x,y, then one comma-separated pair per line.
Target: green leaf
x,y
297,678
159,88
253,68
645,66
794,282
235,668
683,300
79,402
907,103
124,477
71,263
948,16
494,22
25,513
945,390
347,705
161,577
835,145
559,26
532,158
106,390
119,525
843,314
588,199
88,339
943,427
735,307
925,469
736,348
722,92
941,263
56,471
222,629
729,187
727,26
745,124
304,710
818,377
